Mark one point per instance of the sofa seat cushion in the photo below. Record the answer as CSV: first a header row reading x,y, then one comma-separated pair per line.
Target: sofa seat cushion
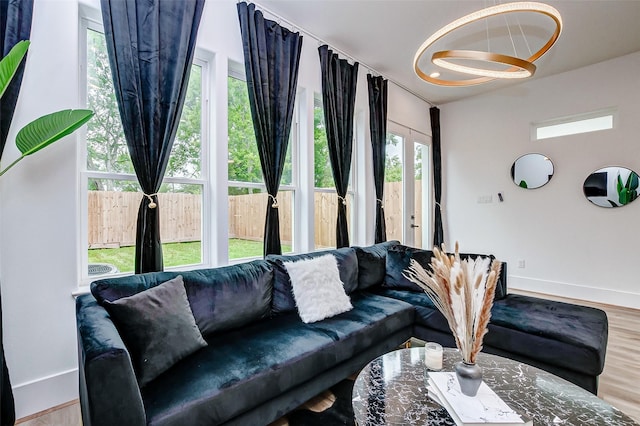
x,y
427,315
242,369
560,334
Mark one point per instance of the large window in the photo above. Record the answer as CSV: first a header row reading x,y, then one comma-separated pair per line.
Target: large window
x,y
247,192
112,191
325,195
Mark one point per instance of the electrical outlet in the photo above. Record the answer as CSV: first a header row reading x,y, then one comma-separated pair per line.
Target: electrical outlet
x,y
485,199
521,263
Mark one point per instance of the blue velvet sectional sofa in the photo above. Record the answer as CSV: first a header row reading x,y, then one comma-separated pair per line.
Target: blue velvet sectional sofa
x,y
261,361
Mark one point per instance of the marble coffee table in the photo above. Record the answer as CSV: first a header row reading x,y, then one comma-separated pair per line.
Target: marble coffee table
x,y
391,390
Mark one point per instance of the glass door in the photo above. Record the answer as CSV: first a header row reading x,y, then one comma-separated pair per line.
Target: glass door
x,y
407,194
419,218
393,202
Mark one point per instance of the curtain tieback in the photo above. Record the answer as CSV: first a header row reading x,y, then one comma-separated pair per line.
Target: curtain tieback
x,y
275,204
344,200
152,204
439,205
380,201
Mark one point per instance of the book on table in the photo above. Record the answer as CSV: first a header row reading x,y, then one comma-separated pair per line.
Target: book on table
x,y
486,408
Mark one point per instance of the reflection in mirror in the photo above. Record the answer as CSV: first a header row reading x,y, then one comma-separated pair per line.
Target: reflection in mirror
x,y
611,187
532,171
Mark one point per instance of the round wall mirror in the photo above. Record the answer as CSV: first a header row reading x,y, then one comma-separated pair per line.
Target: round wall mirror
x,y
532,171
611,187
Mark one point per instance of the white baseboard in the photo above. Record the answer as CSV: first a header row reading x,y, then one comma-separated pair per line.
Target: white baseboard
x,y
574,291
46,392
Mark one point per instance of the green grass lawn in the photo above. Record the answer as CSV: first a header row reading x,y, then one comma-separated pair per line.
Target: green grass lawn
x,y
177,254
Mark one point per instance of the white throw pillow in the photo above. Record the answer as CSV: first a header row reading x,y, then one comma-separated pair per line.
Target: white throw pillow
x,y
317,288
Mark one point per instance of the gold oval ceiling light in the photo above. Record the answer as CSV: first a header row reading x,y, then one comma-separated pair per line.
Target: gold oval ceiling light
x,y
488,74
522,68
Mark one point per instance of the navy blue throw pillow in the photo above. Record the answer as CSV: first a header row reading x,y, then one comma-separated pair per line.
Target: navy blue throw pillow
x,y
372,263
398,260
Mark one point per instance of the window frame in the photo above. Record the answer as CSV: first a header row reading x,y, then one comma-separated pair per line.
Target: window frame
x,y
236,70
351,193
87,22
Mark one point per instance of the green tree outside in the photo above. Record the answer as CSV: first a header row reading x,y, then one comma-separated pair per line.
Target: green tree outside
x,y
106,145
393,160
244,160
322,176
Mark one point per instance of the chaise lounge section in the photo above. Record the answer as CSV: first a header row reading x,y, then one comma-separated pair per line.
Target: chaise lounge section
x,y
564,339
261,361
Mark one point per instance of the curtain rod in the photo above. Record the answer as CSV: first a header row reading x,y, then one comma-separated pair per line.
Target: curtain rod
x,y
321,41
411,129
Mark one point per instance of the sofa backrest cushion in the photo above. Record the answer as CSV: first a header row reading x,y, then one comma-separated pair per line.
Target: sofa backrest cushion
x,y
283,300
221,298
501,284
372,263
398,260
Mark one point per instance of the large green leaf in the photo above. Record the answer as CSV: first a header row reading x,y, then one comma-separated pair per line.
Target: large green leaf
x,y
49,128
632,181
10,63
623,197
619,185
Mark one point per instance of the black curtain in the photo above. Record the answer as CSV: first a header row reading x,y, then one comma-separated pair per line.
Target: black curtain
x,y
271,60
378,127
151,45
15,26
438,233
339,80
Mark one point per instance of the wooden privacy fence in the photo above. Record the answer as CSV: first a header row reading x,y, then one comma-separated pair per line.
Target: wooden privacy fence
x,y
247,216
112,216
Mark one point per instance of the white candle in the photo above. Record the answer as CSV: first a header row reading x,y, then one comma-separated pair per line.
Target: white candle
x,y
433,356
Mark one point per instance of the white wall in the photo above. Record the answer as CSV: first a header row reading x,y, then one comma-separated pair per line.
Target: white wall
x,y
41,242
570,247
38,244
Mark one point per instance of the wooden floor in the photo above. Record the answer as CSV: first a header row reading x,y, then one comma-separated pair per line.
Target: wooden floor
x,y
64,415
619,382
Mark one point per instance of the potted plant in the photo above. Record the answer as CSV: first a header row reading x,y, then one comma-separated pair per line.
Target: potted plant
x,y
463,290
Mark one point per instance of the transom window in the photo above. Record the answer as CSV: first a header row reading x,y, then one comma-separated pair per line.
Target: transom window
x,y
576,124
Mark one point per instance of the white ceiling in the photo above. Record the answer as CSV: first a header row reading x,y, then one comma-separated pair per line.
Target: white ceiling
x,y
385,34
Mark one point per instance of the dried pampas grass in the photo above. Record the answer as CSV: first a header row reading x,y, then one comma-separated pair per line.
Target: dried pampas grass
x,y
463,291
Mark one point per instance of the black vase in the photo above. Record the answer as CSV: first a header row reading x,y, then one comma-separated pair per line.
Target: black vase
x,y
469,377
